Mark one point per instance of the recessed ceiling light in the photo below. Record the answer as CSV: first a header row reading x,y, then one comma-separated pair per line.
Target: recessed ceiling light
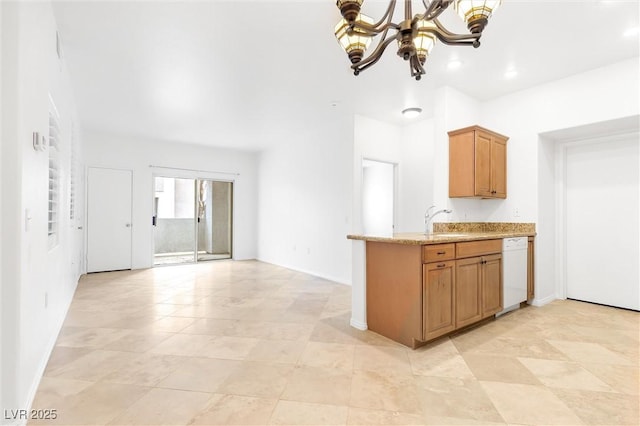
x,y
632,32
454,64
511,73
411,112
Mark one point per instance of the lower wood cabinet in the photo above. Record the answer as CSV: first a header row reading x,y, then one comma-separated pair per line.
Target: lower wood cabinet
x,y
478,288
463,291
491,285
468,291
438,298
418,293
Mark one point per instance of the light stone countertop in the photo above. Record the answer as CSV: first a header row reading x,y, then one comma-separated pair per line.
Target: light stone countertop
x,y
455,232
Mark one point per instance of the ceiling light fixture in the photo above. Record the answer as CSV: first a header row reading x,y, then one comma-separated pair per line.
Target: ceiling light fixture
x,y
411,112
416,35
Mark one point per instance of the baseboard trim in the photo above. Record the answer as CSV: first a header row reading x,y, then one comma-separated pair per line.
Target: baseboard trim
x,y
358,324
306,271
542,302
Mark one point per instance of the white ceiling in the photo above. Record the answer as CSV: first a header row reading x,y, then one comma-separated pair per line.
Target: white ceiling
x,y
246,74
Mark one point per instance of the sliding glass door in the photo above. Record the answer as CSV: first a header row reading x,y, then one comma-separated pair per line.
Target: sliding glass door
x,y
192,220
214,220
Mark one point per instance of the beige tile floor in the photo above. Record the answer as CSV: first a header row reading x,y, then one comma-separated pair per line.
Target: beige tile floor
x,y
251,343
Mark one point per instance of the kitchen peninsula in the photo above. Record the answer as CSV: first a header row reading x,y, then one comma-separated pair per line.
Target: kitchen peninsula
x,y
420,287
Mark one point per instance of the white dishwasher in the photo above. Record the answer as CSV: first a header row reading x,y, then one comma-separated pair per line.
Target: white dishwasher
x,y
514,273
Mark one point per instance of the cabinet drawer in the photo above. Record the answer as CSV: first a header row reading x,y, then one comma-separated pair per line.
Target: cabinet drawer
x,y
437,252
478,248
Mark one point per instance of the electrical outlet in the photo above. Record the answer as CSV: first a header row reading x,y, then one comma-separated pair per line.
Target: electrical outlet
x,y
516,212
46,299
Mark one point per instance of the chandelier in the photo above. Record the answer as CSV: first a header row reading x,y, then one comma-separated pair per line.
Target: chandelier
x,y
416,35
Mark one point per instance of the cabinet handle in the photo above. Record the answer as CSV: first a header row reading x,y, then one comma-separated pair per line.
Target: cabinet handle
x,y
441,252
441,265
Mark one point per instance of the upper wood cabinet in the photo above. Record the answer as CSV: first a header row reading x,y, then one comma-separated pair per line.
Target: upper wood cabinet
x,y
477,163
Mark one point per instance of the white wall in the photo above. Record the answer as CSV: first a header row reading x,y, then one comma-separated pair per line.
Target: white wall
x,y
38,282
411,148
11,195
1,197
374,140
601,95
138,154
417,145
304,199
454,110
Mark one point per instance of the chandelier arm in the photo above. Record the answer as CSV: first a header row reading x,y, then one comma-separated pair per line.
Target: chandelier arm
x,y
372,31
453,39
466,41
448,33
428,8
388,14
416,67
377,28
374,57
448,37
434,9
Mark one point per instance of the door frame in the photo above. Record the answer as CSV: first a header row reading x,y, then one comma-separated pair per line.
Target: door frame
x,y
178,173
561,199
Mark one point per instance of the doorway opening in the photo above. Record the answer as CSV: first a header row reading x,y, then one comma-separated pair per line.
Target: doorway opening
x,y
378,197
192,220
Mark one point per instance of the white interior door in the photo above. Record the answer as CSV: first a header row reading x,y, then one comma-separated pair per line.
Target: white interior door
x,y
108,219
378,184
602,229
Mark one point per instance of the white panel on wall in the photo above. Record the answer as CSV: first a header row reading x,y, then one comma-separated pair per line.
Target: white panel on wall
x,y
378,184
602,209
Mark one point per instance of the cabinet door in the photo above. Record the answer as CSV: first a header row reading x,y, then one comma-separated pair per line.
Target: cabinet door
x,y
491,285
468,291
483,164
438,299
498,168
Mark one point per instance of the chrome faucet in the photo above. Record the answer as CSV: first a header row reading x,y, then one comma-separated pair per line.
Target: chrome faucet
x,y
428,218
